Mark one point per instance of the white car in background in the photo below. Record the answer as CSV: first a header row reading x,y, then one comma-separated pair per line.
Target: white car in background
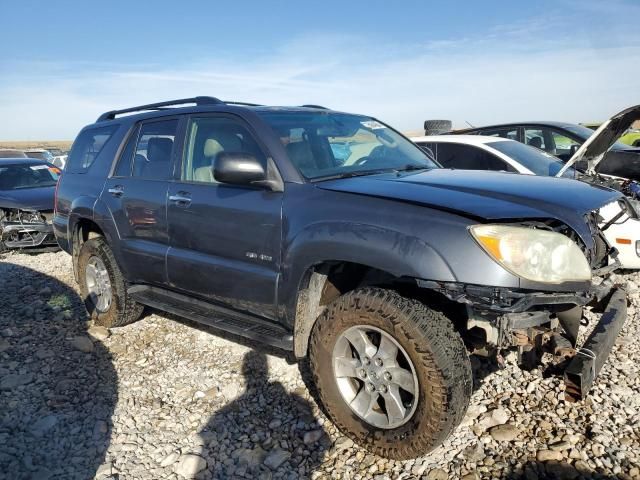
x,y
620,222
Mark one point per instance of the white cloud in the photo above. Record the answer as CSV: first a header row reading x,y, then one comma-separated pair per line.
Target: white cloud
x,y
503,76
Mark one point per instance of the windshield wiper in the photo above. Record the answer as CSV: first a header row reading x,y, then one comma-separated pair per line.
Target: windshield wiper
x,y
361,173
411,168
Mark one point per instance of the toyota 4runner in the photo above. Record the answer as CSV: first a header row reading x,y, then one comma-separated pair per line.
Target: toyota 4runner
x,y
333,236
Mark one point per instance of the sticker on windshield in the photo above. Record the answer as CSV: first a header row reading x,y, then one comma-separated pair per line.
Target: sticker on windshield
x,y
38,167
372,124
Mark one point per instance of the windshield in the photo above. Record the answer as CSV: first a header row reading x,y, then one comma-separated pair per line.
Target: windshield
x,y
327,144
539,162
14,177
584,133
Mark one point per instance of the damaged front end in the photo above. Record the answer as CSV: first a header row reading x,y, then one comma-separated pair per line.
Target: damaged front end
x,y
26,229
538,321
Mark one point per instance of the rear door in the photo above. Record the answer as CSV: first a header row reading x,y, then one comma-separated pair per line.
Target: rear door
x,y
225,239
136,195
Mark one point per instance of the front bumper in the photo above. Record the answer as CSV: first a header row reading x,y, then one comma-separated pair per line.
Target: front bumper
x,y
589,360
509,318
27,235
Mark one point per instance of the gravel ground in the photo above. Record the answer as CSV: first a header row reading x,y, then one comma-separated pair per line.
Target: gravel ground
x,y
162,399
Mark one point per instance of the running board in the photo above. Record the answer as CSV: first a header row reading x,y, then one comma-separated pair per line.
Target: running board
x,y
242,324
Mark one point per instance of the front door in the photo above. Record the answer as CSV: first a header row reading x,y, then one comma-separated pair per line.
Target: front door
x,y
224,239
136,195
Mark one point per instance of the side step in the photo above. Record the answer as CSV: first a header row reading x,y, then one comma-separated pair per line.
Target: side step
x,y
242,324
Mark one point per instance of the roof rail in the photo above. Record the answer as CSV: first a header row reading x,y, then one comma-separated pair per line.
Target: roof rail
x,y
315,106
158,106
246,104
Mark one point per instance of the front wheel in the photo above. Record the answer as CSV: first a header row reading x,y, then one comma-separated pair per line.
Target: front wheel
x,y
391,373
103,287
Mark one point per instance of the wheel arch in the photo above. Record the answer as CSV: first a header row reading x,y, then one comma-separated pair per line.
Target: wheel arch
x,y
325,281
82,229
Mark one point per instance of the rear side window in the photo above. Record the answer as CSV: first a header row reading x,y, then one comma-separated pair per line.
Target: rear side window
x,y
510,133
468,157
152,159
87,147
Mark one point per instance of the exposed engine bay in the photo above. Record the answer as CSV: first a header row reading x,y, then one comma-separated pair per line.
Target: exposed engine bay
x,y
629,188
26,229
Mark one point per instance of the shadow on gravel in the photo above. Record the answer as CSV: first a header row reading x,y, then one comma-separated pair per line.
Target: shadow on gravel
x,y
58,389
276,428
555,470
481,368
246,342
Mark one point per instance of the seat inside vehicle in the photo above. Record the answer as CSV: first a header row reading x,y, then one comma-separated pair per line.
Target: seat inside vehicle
x,y
535,142
157,159
301,156
210,146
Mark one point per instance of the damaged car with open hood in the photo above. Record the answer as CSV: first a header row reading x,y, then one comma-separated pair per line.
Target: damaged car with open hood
x,y
333,236
27,190
619,220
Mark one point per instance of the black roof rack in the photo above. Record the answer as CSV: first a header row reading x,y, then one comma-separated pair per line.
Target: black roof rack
x,y
159,106
315,106
246,104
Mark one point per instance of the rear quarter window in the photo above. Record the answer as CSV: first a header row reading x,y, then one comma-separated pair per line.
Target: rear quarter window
x,y
87,148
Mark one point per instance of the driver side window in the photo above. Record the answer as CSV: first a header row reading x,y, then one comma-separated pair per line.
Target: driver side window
x,y
207,138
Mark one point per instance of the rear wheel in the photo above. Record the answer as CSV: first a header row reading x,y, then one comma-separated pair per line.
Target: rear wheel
x,y
391,373
103,287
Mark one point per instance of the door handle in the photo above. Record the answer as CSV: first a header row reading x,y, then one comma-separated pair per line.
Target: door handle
x,y
116,191
181,199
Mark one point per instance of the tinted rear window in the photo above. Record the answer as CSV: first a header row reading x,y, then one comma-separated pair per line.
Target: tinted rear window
x,y
537,161
87,147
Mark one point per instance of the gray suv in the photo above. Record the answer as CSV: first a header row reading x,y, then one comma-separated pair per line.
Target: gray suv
x,y
333,236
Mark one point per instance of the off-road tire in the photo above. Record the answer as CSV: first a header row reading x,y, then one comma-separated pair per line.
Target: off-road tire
x,y
436,127
123,309
436,351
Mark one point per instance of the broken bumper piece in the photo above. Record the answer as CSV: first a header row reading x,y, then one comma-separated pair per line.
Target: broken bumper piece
x,y
585,366
27,235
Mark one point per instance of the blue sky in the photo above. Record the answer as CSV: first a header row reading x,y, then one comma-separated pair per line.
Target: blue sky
x,y
62,63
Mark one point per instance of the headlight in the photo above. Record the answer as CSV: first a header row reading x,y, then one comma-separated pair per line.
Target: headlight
x,y
537,255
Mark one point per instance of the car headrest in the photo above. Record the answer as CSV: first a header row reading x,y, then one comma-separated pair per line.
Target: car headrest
x,y
159,149
222,141
212,147
536,142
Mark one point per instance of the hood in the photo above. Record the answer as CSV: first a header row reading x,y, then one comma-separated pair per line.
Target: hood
x,y
484,195
594,148
40,199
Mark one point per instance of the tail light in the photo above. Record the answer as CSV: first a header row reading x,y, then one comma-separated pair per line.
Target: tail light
x,y
55,196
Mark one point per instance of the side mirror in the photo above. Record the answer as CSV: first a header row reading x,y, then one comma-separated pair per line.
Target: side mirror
x,y
238,168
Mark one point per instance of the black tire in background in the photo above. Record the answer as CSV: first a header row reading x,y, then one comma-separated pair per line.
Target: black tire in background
x,y
436,127
122,310
436,351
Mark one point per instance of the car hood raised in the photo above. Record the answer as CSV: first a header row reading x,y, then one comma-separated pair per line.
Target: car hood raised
x,y
40,199
596,146
482,194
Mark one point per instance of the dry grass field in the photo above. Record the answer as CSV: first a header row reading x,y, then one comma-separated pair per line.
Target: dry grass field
x,y
26,144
